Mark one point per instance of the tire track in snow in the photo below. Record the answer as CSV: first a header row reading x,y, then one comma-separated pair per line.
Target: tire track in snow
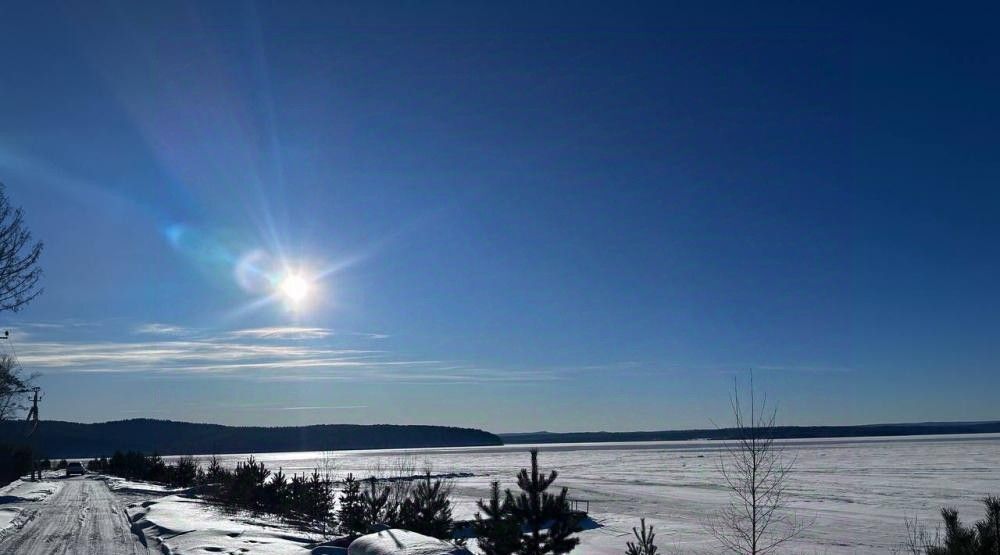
x,y
82,517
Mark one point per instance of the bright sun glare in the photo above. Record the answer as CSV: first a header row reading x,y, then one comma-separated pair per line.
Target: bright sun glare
x,y
295,288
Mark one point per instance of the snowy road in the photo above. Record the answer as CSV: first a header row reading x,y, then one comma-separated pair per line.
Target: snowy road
x,y
82,516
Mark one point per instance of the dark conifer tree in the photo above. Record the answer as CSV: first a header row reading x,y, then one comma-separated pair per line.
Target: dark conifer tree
x,y
981,539
427,510
352,508
644,541
536,508
320,506
378,510
216,473
275,498
499,533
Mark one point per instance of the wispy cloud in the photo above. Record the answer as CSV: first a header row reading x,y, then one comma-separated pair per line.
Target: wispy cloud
x,y
300,333
264,354
371,335
22,330
44,325
299,408
161,329
282,332
807,368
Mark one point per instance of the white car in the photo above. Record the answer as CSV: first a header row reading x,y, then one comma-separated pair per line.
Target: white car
x,y
75,468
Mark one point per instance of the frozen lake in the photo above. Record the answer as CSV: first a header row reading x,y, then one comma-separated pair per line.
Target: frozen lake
x,y
858,490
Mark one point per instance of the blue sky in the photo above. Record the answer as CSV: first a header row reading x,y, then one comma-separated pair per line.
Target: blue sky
x,y
564,216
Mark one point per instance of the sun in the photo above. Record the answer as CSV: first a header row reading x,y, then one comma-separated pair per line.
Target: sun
x,y
295,288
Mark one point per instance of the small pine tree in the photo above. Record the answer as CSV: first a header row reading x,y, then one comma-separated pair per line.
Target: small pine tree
x,y
274,497
427,510
988,529
499,533
243,489
644,541
352,508
378,510
216,473
982,539
320,508
536,507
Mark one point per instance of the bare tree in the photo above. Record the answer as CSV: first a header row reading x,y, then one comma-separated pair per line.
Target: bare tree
x,y
918,541
19,270
755,469
14,388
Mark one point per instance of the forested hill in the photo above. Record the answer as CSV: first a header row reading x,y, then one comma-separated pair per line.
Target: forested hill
x,y
783,432
57,439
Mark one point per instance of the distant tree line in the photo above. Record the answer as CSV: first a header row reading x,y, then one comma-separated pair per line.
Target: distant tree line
x,y
778,432
77,440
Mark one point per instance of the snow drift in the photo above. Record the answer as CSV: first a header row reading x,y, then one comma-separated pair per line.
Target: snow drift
x,y
402,542
184,525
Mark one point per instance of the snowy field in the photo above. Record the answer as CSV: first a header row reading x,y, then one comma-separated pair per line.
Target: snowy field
x,y
858,490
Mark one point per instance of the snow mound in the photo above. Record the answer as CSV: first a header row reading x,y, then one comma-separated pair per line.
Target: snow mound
x,y
182,525
21,490
7,517
14,496
402,542
122,485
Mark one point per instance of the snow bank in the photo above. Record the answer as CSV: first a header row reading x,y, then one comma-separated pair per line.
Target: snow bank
x,y
121,485
182,525
16,493
21,490
8,515
402,542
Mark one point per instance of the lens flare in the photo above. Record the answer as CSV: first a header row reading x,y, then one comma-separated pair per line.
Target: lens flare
x,y
295,288
255,272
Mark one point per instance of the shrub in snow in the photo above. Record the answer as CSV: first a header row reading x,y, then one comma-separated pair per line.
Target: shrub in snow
x,y
98,465
427,510
216,473
309,498
15,461
245,487
252,487
183,473
133,465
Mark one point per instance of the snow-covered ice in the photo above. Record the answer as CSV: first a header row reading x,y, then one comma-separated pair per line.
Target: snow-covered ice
x,y
858,490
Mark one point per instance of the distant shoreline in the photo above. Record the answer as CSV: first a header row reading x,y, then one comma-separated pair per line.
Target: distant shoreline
x,y
56,439
780,432
679,445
